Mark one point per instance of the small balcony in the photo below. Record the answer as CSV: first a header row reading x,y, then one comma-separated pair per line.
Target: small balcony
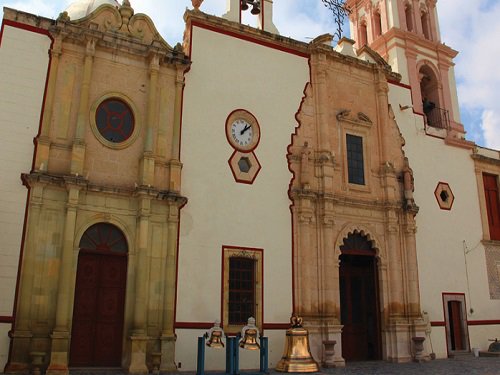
x,y
437,117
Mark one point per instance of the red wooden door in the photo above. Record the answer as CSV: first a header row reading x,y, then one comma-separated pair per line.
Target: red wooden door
x,y
359,308
492,205
97,328
456,330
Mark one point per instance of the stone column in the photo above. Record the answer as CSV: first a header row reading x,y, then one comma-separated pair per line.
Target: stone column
x,y
175,164
59,356
383,116
305,271
322,107
412,271
78,150
139,336
168,336
148,161
21,335
396,302
43,140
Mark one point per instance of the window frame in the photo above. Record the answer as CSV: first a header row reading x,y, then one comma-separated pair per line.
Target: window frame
x,y
493,230
256,255
351,178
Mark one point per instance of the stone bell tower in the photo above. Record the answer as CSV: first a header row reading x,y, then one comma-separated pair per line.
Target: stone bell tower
x,y
406,34
263,9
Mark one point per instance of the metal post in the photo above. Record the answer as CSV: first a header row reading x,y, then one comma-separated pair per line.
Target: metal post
x,y
200,366
236,351
264,355
229,355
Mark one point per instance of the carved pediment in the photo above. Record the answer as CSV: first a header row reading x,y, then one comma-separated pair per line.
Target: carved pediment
x,y
359,119
119,21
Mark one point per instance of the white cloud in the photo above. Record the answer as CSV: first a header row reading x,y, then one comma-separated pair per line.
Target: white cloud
x,y
469,26
476,68
491,128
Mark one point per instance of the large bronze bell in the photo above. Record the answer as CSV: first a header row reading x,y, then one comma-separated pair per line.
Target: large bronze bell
x,y
249,335
215,336
297,355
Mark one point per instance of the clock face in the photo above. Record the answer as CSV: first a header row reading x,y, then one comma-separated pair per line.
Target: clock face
x,y
242,131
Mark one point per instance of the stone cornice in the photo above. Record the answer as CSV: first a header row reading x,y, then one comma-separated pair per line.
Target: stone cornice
x,y
485,159
279,42
81,31
414,41
245,32
81,183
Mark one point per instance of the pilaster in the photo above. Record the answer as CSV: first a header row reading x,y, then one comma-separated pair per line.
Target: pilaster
x,y
139,336
168,335
59,356
148,162
43,140
78,151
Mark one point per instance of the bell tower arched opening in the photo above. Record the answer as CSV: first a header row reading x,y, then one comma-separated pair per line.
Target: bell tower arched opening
x,y
99,304
409,17
435,115
359,299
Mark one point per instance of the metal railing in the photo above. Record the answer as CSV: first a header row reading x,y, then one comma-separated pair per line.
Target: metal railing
x,y
437,118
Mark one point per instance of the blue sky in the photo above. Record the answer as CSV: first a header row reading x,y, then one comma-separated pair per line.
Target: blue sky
x,y
469,26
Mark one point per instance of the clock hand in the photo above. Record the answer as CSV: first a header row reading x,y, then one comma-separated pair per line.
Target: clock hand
x,y
245,129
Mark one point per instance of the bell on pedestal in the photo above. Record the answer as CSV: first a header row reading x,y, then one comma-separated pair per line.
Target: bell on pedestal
x,y
297,355
249,335
215,336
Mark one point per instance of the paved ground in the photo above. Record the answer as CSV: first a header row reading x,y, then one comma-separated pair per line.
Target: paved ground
x,y
456,366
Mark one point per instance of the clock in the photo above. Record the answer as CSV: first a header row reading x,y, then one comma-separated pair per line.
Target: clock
x,y
242,130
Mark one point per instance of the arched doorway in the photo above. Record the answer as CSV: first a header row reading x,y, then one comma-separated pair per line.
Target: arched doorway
x,y
97,326
359,300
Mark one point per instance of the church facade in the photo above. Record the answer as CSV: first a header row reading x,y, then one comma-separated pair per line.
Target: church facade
x,y
239,174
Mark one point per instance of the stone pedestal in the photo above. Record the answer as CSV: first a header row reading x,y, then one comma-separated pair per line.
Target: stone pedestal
x,y
37,359
19,360
328,354
138,355
59,353
168,353
156,361
398,350
418,349
323,331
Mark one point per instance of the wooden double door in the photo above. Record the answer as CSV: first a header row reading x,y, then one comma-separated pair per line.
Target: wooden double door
x,y
98,313
359,306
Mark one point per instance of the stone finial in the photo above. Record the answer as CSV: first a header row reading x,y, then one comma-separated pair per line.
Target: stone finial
x,y
64,17
196,4
126,11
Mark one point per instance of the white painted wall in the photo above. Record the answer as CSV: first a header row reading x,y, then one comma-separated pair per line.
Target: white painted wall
x,y
23,62
228,74
443,235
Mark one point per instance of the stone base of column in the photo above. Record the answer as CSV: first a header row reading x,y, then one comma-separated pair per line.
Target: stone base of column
x,y
399,341
59,354
325,330
19,360
138,355
168,353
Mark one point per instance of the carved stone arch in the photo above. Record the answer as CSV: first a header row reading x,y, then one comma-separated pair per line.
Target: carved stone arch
x,y
107,219
429,64
363,230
